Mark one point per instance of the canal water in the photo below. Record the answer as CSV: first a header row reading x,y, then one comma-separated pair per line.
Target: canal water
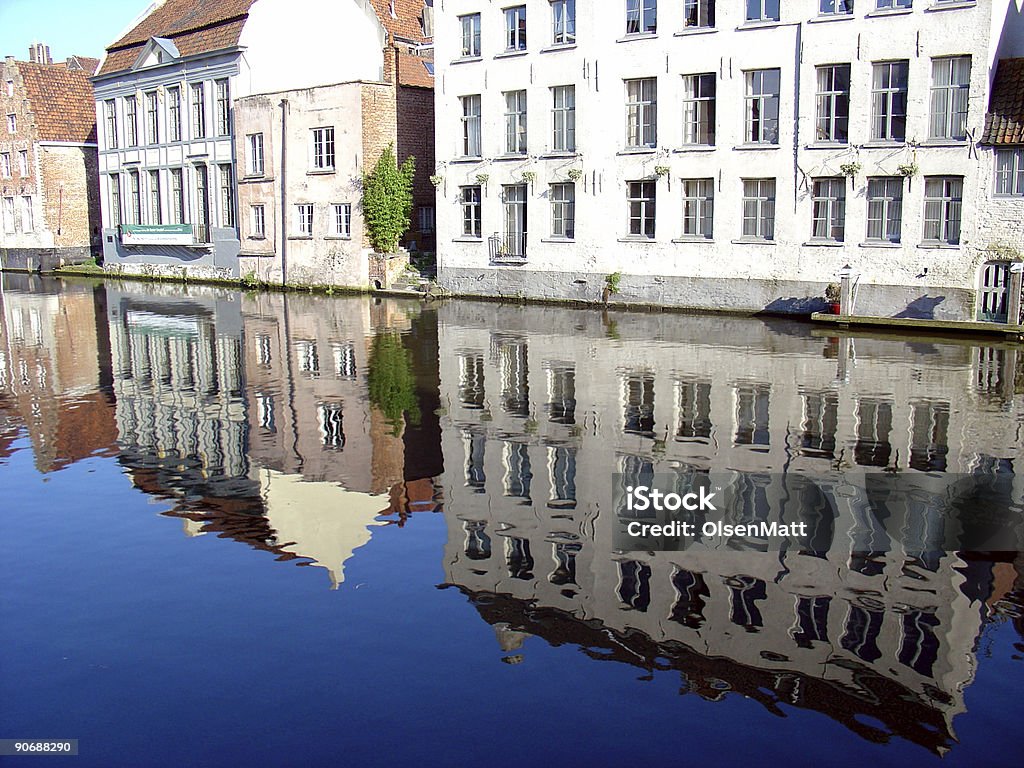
x,y
269,529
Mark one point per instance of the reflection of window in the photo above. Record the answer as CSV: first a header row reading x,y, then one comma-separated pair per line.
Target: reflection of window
x,y
331,432
515,374
746,591
821,419
265,411
518,558
564,555
811,620
344,361
691,598
471,380
561,404
475,477
562,467
694,410
518,475
636,471
263,354
929,441
309,359
478,543
634,585
862,629
752,402
874,423
638,415
919,647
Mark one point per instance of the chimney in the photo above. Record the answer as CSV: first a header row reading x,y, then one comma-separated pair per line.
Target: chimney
x,y
39,53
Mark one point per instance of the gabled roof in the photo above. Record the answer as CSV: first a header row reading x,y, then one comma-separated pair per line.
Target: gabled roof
x,y
88,64
415,70
1004,123
402,18
192,26
61,101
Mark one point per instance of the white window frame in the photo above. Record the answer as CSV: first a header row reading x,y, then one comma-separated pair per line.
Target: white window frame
x,y
341,219
1009,172
254,154
8,214
472,139
28,216
152,118
885,209
471,199
832,104
641,112
759,196
131,121
5,165
155,212
23,170
110,121
943,209
226,173
699,108
174,114
759,101
698,14
563,22
198,92
762,10
470,24
304,219
515,28
515,122
887,91
563,210
563,118
258,221
828,215
641,209
322,148
698,208
949,104
641,17
223,106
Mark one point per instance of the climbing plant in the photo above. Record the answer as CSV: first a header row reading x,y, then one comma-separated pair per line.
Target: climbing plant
x,y
387,200
391,381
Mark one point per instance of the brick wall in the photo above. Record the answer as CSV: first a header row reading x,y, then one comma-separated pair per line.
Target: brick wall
x,y
379,125
71,204
416,138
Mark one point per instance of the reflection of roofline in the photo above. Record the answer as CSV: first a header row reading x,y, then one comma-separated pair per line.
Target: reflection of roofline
x,y
885,699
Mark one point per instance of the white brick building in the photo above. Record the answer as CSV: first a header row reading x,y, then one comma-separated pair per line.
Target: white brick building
x,y
717,154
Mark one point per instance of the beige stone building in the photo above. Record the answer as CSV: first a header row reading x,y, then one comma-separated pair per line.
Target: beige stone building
x,y
536,427
49,196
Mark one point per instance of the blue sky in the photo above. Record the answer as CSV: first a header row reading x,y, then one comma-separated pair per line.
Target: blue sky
x,y
84,27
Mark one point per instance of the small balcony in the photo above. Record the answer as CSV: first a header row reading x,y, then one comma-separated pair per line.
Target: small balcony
x,y
509,248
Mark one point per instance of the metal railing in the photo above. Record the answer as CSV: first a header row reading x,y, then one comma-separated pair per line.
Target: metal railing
x,y
508,248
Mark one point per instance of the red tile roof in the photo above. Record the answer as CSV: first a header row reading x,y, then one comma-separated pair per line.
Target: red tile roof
x,y
412,70
61,100
1004,123
406,22
194,26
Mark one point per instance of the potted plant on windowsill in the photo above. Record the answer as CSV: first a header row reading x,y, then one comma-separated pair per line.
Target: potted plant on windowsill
x,y
832,297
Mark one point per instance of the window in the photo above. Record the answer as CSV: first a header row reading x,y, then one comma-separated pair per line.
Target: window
x,y
943,197
515,122
152,119
641,16
698,13
563,210
110,112
174,114
155,216
889,101
514,196
254,144
223,108
835,7
833,103
699,109
885,209
1010,172
198,111
134,198
471,126
563,118
12,123
304,219
227,196
10,89
471,221
131,121
8,214
427,218
341,219
759,209
641,200
202,204
762,106
829,209
515,28
563,22
5,165
642,112
763,10
258,221
115,200
470,34
28,223
951,79
323,148
177,199
23,162
698,207
883,5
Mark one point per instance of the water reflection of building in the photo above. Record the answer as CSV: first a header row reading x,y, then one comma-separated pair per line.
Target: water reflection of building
x,y
54,369
253,414
541,412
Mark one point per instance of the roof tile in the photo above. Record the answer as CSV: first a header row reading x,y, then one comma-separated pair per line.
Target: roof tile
x,y
1004,123
62,101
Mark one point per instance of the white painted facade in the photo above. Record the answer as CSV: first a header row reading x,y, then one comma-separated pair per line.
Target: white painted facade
x,y
919,275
